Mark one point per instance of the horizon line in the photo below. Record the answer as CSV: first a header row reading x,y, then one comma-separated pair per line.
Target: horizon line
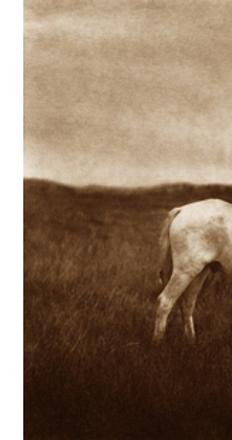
x,y
129,187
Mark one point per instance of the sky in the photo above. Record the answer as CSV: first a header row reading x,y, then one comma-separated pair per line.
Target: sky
x,y
128,92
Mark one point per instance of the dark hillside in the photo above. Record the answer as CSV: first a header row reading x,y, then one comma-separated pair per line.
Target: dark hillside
x,y
90,370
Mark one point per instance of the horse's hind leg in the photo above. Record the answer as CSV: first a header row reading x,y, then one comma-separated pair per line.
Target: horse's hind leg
x,y
188,302
166,300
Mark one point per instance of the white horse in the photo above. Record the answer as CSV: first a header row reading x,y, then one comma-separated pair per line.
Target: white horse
x,y
193,237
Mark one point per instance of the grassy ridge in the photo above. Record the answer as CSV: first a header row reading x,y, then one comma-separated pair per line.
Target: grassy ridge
x,y
90,369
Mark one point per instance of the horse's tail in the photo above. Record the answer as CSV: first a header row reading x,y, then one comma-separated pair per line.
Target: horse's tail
x,y
164,240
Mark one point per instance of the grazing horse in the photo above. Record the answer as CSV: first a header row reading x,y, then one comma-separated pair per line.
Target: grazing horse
x,y
195,238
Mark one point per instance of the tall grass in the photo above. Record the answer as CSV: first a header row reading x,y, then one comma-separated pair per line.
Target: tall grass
x,y
90,369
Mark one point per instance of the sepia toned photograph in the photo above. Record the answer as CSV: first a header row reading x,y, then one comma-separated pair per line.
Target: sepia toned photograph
x,y
127,219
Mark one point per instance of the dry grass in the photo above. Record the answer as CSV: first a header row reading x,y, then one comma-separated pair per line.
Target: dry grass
x,y
90,369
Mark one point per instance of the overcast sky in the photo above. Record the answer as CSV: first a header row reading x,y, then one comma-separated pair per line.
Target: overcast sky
x,y
128,92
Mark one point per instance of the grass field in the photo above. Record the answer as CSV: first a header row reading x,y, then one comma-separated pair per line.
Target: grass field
x,y
90,369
